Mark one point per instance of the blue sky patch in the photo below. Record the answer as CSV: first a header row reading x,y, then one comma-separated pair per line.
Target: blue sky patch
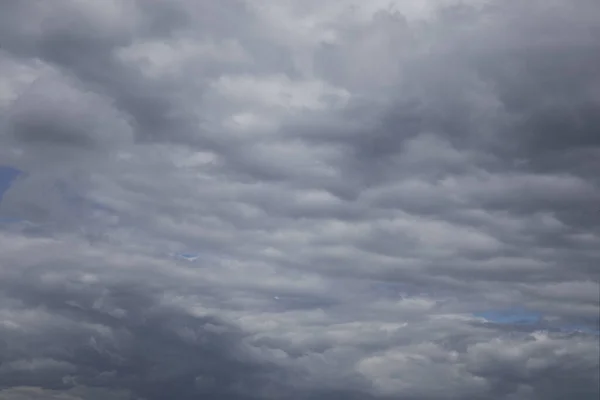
x,y
511,316
7,176
188,256
582,329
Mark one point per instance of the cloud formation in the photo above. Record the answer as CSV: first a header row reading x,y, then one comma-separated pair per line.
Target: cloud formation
x,y
260,199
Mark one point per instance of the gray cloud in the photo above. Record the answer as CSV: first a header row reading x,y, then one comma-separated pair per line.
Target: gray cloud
x,y
357,189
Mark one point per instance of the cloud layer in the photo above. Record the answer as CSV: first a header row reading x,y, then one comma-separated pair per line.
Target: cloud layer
x,y
267,199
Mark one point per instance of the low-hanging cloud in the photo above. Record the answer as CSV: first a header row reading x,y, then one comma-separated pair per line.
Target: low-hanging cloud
x,y
252,199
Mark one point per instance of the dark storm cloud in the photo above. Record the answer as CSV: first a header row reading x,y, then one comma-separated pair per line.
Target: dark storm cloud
x,y
81,43
121,338
360,182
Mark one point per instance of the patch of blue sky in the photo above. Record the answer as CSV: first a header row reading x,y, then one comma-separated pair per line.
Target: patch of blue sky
x,y
75,201
393,289
7,176
8,220
522,316
510,316
582,329
187,256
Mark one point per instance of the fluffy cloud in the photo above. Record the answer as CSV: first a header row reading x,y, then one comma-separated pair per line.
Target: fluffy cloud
x,y
288,199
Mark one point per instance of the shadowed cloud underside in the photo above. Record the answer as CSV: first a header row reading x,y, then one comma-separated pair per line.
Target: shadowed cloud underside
x,y
299,199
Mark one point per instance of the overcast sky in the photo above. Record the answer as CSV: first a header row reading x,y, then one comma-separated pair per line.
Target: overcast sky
x,y
299,199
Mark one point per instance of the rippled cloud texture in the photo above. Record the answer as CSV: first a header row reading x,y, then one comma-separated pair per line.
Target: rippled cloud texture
x,y
300,199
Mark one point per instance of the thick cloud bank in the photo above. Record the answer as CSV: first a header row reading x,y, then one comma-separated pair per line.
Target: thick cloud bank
x,y
299,199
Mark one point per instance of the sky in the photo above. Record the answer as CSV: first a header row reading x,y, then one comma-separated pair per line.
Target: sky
x,y
7,176
299,199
